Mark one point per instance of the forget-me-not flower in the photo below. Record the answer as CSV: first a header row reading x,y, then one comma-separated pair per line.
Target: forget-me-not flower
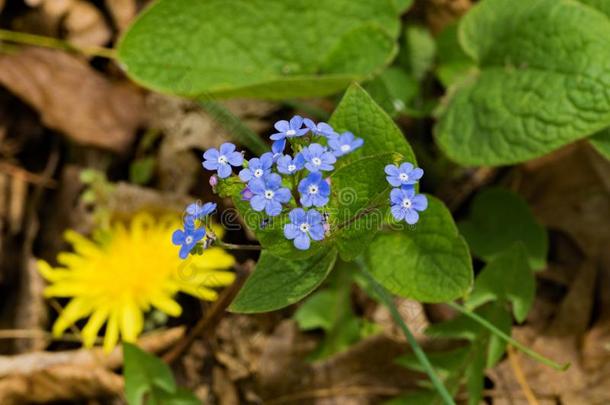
x,y
405,204
198,211
321,129
222,160
303,226
316,157
314,190
268,194
344,143
287,129
403,175
287,165
187,238
257,167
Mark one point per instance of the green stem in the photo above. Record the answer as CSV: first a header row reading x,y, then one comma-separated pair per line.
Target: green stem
x,y
537,356
386,298
54,43
233,246
237,129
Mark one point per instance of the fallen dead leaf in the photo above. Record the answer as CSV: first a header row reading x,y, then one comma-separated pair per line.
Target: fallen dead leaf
x,y
122,11
441,13
30,308
73,98
85,24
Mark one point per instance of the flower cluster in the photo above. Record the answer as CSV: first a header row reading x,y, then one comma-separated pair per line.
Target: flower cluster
x,y
281,181
191,238
404,202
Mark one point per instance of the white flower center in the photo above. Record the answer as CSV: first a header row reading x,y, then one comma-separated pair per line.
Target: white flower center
x,y
313,189
188,240
222,159
406,203
258,172
304,227
316,161
403,177
291,168
269,194
291,132
345,148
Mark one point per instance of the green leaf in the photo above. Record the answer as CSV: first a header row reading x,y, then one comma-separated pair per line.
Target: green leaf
x,y
419,50
277,283
475,375
498,218
534,92
150,381
359,203
444,362
601,142
601,5
453,63
394,90
141,170
358,113
256,48
507,277
428,262
403,5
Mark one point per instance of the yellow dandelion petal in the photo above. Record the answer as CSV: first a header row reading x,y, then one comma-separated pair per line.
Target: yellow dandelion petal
x,y
167,305
133,269
77,308
132,321
112,332
94,325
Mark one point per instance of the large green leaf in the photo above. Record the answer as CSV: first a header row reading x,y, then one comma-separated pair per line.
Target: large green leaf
x,y
257,48
359,202
507,277
601,142
357,112
544,81
277,283
498,219
453,63
428,262
394,90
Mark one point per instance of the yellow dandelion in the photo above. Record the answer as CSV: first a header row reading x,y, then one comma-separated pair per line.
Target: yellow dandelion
x,y
137,269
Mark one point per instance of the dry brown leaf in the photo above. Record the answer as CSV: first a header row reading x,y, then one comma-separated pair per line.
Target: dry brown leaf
x,y
223,388
73,98
122,11
60,383
441,13
85,24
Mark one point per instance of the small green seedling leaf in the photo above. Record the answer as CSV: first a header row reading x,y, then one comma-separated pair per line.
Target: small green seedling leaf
x,y
507,277
150,381
498,219
428,262
277,282
601,142
417,55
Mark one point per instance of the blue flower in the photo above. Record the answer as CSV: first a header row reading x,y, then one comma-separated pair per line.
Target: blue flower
x,y
316,157
405,175
321,129
285,130
198,211
287,165
268,194
257,167
187,238
314,190
303,226
406,204
222,160
344,143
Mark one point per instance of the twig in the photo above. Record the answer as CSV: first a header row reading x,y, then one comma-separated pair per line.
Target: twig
x,y
27,176
513,358
233,246
213,315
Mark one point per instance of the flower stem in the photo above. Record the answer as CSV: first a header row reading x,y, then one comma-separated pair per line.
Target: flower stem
x,y
386,298
55,43
233,246
536,356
